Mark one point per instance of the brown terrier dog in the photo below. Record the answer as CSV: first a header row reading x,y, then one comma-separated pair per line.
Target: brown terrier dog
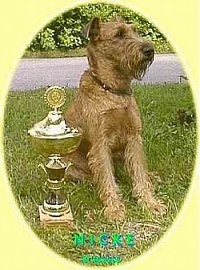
x,y
106,111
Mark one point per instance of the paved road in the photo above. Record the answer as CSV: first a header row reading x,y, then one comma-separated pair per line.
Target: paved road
x,y
36,73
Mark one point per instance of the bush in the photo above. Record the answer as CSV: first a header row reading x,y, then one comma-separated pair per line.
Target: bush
x,y
44,41
65,31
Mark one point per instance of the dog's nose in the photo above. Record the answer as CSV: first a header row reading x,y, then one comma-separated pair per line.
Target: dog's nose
x,y
148,50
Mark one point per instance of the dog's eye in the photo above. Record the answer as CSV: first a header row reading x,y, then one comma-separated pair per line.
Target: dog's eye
x,y
120,34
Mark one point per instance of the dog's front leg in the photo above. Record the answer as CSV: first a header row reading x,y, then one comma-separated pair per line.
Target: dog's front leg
x,y
137,169
100,163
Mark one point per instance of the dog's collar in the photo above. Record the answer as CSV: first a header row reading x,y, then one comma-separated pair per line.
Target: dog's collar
x,y
123,92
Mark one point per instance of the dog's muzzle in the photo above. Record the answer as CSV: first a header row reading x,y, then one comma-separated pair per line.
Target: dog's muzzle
x,y
148,51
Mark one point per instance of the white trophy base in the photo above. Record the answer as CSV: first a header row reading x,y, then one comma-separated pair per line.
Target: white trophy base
x,y
46,219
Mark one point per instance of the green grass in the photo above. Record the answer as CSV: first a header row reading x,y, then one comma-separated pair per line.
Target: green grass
x,y
79,52
170,146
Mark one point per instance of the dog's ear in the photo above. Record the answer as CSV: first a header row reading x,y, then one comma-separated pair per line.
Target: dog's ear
x,y
92,29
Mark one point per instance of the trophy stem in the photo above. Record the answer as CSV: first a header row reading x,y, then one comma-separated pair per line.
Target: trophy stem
x,y
55,209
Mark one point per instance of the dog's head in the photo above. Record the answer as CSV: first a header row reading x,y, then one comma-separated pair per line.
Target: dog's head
x,y
120,44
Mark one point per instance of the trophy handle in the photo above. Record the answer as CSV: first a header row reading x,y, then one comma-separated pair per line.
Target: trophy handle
x,y
69,164
43,167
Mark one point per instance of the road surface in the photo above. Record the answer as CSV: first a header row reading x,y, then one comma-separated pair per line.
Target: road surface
x,y
36,73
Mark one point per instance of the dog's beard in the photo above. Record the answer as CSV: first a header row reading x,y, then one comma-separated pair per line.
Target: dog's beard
x,y
136,66
141,69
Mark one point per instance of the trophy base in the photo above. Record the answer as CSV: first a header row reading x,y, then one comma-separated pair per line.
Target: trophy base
x,y
46,219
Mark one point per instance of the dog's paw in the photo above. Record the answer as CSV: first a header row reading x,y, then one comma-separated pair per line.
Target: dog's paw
x,y
115,212
157,207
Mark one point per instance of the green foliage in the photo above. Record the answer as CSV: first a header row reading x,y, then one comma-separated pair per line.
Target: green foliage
x,y
44,41
68,38
65,31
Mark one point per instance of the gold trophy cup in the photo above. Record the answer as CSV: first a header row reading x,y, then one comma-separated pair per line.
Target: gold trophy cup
x,y
54,138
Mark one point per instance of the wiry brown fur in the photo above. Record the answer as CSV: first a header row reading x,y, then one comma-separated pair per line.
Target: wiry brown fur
x,y
109,116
